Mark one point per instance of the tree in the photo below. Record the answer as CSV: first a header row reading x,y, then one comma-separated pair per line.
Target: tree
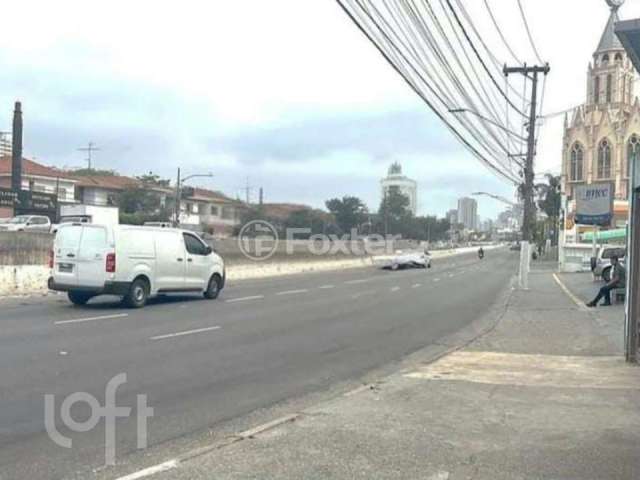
x,y
92,172
314,220
349,212
549,200
153,179
394,214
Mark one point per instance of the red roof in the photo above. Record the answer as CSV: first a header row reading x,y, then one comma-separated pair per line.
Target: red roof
x,y
111,182
30,167
211,195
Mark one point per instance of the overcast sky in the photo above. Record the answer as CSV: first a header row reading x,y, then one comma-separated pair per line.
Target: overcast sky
x,y
285,92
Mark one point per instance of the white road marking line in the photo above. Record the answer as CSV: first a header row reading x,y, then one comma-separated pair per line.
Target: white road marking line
x,y
352,282
186,332
324,287
436,279
161,467
91,319
395,289
292,292
242,299
362,294
416,285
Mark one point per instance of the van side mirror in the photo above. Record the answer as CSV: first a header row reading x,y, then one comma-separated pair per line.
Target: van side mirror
x,y
208,250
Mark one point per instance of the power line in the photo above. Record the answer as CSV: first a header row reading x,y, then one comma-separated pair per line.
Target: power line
x,y
526,26
502,37
400,67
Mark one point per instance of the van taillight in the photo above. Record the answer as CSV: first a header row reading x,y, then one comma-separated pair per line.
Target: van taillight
x,y
111,262
50,258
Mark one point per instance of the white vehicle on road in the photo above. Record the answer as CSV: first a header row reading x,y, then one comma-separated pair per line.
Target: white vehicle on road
x,y
133,262
27,223
415,259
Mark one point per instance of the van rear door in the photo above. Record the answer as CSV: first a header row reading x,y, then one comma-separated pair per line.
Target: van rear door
x,y
91,258
65,247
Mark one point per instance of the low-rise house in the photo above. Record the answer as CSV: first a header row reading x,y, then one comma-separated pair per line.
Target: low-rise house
x,y
213,211
38,178
105,189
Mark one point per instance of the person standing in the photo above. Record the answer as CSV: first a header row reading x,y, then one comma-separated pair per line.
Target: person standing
x,y
618,278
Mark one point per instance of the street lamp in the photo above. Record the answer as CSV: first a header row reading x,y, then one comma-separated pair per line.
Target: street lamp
x,y
179,183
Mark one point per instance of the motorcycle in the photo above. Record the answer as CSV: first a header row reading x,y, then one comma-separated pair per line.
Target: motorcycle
x,y
480,254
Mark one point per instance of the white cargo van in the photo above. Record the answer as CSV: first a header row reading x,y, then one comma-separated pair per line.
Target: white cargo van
x,y
132,262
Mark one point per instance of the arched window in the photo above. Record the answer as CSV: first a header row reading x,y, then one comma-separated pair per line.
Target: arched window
x,y
604,159
576,162
618,57
605,59
608,88
596,90
633,151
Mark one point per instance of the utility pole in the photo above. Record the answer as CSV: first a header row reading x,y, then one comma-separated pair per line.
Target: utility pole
x,y
16,148
91,147
529,207
176,218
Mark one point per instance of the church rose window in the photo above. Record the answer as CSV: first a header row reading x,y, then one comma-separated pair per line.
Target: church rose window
x,y
604,159
577,156
633,151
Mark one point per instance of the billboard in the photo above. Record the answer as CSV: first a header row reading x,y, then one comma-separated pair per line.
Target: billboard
x,y
594,204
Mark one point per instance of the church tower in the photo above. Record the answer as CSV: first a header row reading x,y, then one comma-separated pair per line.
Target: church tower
x,y
611,75
602,135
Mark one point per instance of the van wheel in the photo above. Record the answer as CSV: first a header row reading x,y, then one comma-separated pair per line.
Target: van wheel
x,y
213,289
78,298
137,295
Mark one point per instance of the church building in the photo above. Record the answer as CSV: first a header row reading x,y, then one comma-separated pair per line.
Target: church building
x,y
601,136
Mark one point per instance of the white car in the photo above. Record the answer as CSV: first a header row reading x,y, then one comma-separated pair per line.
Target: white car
x,y
133,262
410,260
27,223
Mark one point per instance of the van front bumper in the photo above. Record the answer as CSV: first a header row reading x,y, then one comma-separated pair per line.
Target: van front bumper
x,y
109,288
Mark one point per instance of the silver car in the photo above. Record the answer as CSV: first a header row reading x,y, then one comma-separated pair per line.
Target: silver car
x,y
27,223
601,264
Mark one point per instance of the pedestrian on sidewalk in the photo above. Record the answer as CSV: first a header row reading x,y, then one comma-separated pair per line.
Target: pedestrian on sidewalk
x,y
617,281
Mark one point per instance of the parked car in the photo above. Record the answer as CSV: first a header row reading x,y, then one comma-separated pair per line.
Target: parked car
x,y
409,260
132,262
27,223
601,263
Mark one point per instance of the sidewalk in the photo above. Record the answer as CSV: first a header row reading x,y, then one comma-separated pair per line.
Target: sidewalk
x,y
545,394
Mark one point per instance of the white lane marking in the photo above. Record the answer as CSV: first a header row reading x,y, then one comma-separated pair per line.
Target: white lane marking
x,y
161,467
186,332
362,294
395,289
324,287
416,285
91,319
436,279
292,292
352,282
243,299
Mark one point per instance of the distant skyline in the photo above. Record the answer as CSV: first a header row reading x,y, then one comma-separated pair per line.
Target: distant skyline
x,y
290,95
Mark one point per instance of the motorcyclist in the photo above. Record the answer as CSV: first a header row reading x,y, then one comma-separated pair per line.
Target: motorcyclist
x,y
480,253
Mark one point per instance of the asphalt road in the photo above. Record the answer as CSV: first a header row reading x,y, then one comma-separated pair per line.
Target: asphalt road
x,y
202,362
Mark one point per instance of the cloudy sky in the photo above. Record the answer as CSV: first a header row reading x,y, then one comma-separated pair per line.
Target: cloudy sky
x,y
285,92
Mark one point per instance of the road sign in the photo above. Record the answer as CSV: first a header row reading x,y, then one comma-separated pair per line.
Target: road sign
x,y
8,198
594,204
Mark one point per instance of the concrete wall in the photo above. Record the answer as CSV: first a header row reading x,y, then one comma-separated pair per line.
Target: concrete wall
x,y
21,248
